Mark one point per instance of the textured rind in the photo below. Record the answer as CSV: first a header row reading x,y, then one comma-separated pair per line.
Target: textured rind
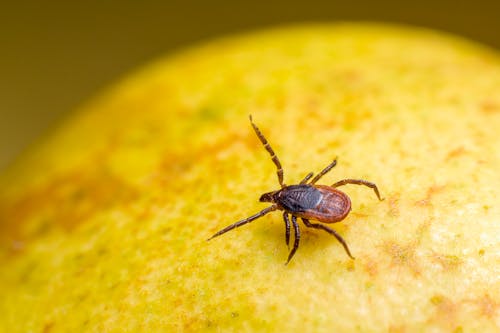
x,y
104,221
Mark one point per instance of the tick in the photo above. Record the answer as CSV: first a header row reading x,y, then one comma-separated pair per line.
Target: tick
x,y
306,201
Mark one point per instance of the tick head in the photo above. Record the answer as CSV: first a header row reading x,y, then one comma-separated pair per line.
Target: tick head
x,y
268,197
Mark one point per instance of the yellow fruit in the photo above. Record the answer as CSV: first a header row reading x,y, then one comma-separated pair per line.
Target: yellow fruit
x,y
104,222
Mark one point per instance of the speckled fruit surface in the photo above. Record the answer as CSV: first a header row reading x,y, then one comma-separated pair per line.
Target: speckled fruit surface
x,y
103,222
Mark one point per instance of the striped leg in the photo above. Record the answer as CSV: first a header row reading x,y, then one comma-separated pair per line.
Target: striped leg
x,y
287,229
271,152
306,178
245,221
297,239
324,172
331,232
359,182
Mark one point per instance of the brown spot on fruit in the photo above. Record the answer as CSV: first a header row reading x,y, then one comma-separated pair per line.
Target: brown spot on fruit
x,y
393,202
65,201
446,261
397,329
446,312
402,255
48,327
459,151
488,306
489,106
371,267
431,191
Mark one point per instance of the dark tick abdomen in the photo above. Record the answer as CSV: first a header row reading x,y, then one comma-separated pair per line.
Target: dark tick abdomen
x,y
299,198
333,207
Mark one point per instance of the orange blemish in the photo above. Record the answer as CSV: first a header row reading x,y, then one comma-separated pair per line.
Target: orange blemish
x,y
402,255
446,312
455,153
431,191
447,262
393,202
175,164
488,307
48,327
359,214
397,329
489,107
370,267
65,201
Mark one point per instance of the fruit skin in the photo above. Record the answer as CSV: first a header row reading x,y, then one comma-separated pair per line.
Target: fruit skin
x,y
103,222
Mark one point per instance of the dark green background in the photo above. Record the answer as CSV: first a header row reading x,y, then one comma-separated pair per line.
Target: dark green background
x,y
54,55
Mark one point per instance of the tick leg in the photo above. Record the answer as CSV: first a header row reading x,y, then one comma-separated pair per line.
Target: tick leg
x,y
245,221
331,232
324,172
287,229
271,152
297,239
306,178
359,182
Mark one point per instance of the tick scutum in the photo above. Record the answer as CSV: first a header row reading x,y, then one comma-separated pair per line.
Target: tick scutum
x,y
298,198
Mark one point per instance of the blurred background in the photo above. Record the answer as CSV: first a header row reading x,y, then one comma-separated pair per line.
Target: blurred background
x,y
55,55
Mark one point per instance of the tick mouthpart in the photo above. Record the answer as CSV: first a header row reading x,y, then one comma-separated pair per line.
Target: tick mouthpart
x,y
267,197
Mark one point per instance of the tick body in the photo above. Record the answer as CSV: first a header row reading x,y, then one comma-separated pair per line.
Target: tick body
x,y
306,201
321,203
